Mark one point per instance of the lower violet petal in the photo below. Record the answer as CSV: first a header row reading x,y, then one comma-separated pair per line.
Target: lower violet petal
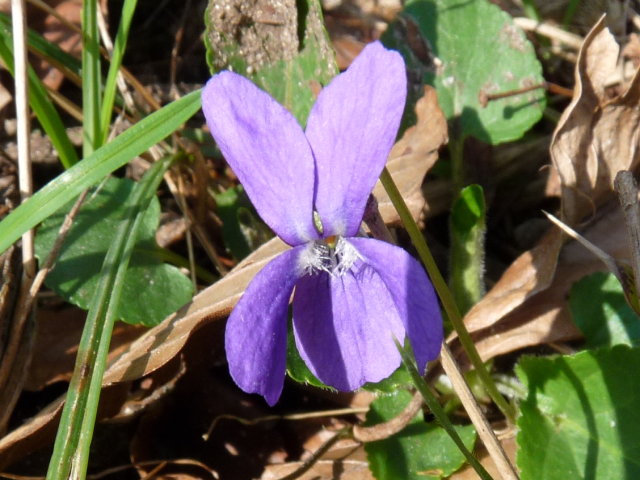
x,y
345,325
256,334
412,293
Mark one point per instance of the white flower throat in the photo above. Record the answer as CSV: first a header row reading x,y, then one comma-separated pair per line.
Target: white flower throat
x,y
333,255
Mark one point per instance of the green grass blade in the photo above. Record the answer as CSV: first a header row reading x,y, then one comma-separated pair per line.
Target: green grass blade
x,y
120,44
73,441
92,169
91,79
40,103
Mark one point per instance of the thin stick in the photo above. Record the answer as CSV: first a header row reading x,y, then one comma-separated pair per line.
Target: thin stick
x,y
627,190
550,31
485,98
491,442
108,45
604,257
439,413
291,416
384,430
22,116
298,472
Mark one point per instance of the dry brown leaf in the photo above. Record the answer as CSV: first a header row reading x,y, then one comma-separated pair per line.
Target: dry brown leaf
x,y
530,273
159,344
413,156
545,317
596,137
631,50
56,342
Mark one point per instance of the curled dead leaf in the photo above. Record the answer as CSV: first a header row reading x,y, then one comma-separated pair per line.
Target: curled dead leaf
x,y
545,317
596,136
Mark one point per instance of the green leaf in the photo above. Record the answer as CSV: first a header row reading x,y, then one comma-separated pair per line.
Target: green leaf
x,y
151,289
95,167
421,451
481,52
601,312
467,247
290,56
580,419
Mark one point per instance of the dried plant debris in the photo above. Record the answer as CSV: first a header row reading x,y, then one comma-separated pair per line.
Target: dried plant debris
x,y
596,136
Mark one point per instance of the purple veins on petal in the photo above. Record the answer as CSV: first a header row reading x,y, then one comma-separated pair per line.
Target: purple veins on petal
x,y
412,294
268,151
256,332
344,327
351,129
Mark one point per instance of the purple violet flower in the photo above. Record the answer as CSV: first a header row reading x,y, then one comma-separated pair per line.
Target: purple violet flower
x,y
353,294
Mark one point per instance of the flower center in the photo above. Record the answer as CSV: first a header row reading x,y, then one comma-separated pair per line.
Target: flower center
x,y
333,255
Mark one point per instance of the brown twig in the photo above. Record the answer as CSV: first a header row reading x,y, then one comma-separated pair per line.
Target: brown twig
x,y
292,416
484,98
393,426
298,472
627,190
486,433
550,31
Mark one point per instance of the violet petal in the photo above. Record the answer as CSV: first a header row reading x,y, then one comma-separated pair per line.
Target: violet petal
x,y
351,129
345,325
412,293
267,150
256,334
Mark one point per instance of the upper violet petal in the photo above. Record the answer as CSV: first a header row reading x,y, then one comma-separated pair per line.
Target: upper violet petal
x,y
267,150
412,293
256,333
344,327
351,129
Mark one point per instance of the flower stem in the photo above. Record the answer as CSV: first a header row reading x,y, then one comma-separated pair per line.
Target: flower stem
x,y
438,412
444,293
